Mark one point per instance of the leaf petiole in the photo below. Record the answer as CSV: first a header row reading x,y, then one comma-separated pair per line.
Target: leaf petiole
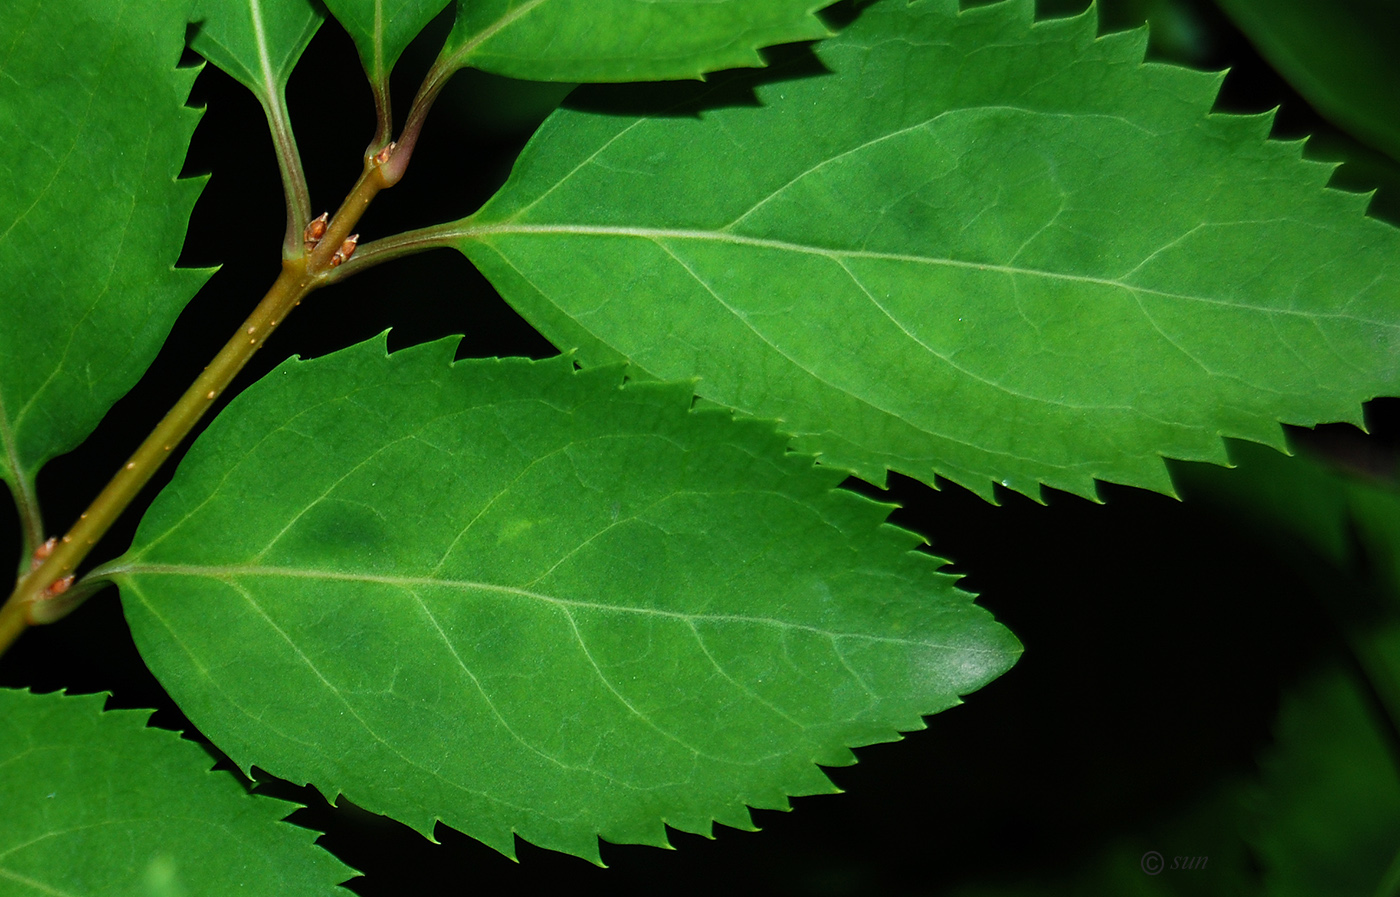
x,y
433,83
298,196
412,242
31,518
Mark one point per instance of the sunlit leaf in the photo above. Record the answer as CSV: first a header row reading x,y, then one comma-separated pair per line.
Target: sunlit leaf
x,y
985,249
98,805
520,599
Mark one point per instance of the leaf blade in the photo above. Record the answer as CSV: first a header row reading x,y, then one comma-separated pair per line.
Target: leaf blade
x,y
561,648
96,803
1339,56
1007,313
624,40
383,29
1331,760
256,42
92,215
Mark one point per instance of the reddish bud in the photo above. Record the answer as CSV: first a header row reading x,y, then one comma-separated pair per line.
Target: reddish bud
x,y
58,587
315,230
346,250
383,155
42,552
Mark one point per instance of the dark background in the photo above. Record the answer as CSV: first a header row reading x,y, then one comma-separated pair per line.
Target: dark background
x,y
1158,635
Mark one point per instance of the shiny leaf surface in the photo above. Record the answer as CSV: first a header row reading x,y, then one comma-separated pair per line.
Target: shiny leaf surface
x,y
981,248
520,599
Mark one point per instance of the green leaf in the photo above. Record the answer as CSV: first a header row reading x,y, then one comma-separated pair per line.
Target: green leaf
x,y
258,42
519,599
1294,497
1329,806
383,29
1340,55
92,217
1363,170
623,40
1349,520
982,248
97,804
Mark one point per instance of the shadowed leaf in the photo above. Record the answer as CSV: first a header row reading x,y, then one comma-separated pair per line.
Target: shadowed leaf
x,y
1340,55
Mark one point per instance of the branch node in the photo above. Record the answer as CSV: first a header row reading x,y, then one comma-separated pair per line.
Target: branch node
x,y
385,154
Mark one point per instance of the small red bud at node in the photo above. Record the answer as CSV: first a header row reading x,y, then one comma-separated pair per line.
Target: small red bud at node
x,y
346,250
383,155
42,552
315,230
58,587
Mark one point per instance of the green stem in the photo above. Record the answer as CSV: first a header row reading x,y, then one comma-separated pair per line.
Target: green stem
x,y
31,517
30,603
73,547
433,83
412,242
383,114
12,623
51,610
26,502
293,176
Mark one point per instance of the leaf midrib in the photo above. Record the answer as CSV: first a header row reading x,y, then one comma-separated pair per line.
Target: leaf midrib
x,y
228,573
482,233
260,35
458,59
37,886
379,73
7,441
